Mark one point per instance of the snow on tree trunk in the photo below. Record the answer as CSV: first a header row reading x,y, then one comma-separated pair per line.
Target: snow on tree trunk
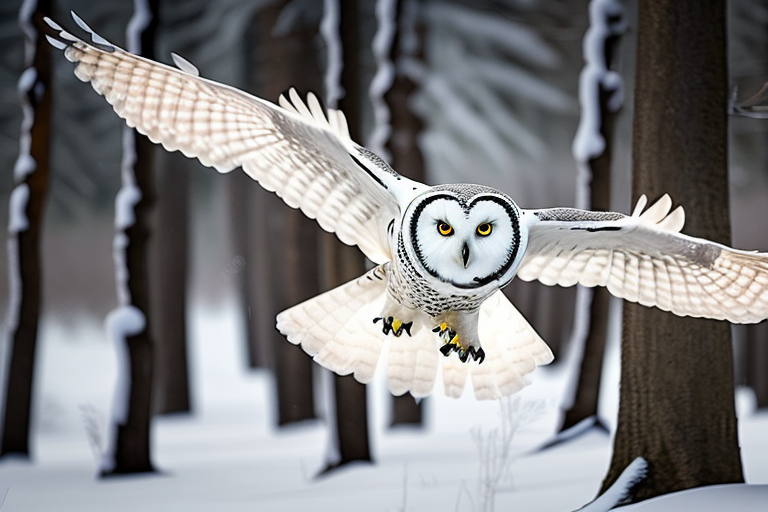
x,y
601,96
129,444
329,30
19,334
621,491
383,80
677,397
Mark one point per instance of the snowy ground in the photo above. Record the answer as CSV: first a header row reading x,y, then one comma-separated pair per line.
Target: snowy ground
x,y
228,457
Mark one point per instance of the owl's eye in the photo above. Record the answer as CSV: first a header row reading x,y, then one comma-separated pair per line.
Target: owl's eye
x,y
444,228
484,229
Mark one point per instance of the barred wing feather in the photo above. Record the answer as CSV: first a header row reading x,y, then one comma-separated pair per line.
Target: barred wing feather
x,y
305,157
643,258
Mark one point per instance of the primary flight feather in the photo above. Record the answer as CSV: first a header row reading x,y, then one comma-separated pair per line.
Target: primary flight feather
x,y
443,253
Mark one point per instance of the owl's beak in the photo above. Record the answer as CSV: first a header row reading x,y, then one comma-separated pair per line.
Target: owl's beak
x,y
465,254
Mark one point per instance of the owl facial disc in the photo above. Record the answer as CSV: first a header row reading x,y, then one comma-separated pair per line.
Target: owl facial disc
x,y
467,241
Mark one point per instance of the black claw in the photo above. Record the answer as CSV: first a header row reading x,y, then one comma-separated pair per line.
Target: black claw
x,y
407,328
464,354
447,349
386,324
479,355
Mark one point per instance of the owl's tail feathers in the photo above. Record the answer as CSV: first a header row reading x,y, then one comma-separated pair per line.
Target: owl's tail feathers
x,y
412,363
513,350
335,328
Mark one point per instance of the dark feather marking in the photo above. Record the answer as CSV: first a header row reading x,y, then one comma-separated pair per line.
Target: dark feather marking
x,y
368,171
594,229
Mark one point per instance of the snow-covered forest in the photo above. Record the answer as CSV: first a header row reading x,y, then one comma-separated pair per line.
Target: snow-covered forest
x,y
534,97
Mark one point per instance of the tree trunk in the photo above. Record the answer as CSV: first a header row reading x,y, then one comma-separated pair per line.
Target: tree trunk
x,y
291,238
246,208
755,358
29,194
343,263
587,392
131,444
406,156
677,400
349,427
168,264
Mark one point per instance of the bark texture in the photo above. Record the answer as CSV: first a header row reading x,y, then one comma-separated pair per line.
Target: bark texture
x,y
677,400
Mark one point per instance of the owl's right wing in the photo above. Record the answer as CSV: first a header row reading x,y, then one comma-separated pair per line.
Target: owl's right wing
x,y
644,258
308,159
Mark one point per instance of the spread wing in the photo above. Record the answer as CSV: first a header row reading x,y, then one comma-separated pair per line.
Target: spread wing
x,y
308,159
643,258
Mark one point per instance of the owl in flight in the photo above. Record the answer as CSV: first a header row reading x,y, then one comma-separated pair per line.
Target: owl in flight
x,y
442,253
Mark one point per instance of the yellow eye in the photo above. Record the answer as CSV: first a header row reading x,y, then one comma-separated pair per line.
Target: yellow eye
x,y
444,228
484,229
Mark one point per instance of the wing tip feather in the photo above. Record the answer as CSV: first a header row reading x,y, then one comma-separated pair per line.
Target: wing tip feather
x,y
313,112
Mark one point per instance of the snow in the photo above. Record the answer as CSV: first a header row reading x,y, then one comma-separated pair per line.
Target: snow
x,y
743,498
228,457
17,220
620,491
121,323
329,30
142,16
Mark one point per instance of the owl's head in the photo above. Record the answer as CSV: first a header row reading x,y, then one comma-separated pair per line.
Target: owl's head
x,y
467,236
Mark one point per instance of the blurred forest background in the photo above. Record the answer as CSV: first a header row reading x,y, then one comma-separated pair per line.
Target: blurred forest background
x,y
496,91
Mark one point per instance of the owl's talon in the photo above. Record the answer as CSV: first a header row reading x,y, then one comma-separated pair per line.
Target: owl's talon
x,y
447,349
394,325
452,343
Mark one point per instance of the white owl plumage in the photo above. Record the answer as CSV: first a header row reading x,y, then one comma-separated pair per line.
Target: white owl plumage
x,y
442,253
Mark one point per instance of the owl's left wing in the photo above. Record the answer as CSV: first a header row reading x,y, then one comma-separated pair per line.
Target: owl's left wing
x,y
643,258
308,159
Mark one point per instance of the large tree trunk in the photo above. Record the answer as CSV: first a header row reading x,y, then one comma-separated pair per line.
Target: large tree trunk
x,y
26,220
677,400
130,450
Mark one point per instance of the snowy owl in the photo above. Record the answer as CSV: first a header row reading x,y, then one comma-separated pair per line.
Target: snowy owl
x,y
442,253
